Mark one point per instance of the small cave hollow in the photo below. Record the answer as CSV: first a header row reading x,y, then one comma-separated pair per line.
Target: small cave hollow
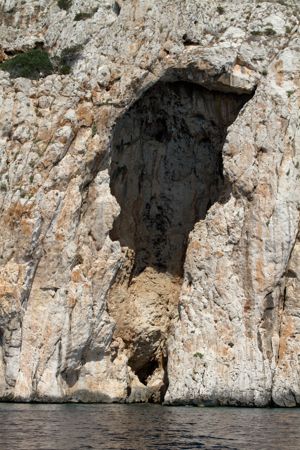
x,y
116,8
146,370
166,171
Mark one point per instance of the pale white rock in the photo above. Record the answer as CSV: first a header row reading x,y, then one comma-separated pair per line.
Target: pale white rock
x,y
103,76
149,204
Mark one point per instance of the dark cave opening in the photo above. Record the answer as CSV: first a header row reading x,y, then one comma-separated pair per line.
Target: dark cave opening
x,y
166,169
146,370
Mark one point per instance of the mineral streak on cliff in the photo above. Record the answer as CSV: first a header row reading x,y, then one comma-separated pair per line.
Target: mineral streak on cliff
x,y
149,201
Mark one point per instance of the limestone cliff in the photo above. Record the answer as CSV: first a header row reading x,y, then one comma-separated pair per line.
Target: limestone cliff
x,y
149,195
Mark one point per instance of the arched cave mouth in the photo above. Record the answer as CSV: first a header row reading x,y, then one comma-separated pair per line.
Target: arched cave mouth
x,y
166,172
166,169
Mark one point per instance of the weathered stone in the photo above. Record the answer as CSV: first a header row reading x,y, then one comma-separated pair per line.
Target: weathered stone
x,y
150,204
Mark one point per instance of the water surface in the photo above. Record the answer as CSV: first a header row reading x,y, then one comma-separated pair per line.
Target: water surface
x,y
139,427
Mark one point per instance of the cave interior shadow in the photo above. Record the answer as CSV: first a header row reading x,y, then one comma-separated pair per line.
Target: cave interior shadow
x,y
166,169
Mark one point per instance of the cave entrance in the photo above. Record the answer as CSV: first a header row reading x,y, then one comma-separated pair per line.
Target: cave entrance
x,y
166,171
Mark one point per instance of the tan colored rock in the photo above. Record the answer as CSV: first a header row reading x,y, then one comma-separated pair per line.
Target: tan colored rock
x,y
150,204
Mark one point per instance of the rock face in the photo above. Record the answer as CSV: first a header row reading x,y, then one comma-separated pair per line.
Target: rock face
x,y
150,203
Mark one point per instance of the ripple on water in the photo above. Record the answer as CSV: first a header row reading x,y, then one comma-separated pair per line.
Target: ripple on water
x,y
139,427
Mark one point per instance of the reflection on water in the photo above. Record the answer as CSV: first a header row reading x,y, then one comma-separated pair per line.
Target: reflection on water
x,y
138,427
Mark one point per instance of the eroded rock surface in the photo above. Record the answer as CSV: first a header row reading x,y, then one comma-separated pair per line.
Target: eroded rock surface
x,y
150,204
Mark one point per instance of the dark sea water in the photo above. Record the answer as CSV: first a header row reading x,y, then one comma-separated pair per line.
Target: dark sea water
x,y
138,427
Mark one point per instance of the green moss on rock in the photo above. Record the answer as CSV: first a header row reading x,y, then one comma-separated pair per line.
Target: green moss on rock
x,y
64,4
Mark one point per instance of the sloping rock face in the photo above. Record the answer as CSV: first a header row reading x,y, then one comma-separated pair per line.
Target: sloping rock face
x,y
150,204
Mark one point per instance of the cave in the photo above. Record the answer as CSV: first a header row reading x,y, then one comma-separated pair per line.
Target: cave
x,y
166,171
